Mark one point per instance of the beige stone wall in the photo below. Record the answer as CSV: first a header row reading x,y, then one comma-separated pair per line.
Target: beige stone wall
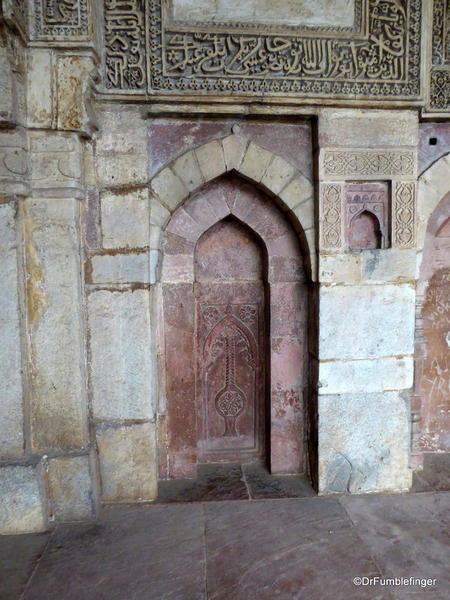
x,y
86,191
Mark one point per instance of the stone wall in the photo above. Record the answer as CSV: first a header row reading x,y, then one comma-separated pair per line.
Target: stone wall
x,y
90,176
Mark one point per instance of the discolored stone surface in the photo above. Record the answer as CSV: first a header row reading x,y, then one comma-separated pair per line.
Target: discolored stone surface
x,y
287,548
435,473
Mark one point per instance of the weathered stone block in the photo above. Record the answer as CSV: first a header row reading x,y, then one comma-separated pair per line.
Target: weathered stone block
x,y
375,375
255,162
122,169
70,494
364,443
121,268
55,329
119,324
234,147
278,174
366,321
340,268
365,128
21,503
169,188
305,213
125,219
188,170
211,160
127,455
298,190
55,161
11,413
391,265
39,88
73,73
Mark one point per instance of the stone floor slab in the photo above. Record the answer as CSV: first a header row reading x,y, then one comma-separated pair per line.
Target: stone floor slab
x,y
285,549
261,484
142,553
19,555
409,536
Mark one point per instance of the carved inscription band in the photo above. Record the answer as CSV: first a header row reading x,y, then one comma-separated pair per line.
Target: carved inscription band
x,y
145,52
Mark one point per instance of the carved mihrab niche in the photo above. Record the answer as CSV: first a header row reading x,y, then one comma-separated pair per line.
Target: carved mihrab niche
x,y
146,51
61,19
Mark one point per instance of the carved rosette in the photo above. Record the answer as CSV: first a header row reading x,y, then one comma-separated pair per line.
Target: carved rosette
x,y
379,57
404,214
331,211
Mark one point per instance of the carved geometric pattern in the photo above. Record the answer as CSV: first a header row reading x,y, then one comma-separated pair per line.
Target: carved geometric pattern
x,y
61,19
331,197
404,215
125,55
361,163
440,90
379,57
439,76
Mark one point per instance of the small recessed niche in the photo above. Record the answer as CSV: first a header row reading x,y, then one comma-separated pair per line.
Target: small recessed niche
x,y
367,215
433,141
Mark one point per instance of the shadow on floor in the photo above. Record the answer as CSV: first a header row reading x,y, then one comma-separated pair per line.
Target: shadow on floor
x,y
435,475
234,482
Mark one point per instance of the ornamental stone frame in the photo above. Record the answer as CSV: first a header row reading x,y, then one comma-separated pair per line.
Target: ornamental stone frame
x,y
177,185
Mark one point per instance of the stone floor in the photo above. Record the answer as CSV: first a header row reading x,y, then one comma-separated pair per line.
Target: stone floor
x,y
286,548
233,482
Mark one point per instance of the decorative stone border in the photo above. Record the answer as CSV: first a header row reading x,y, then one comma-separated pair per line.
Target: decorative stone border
x,y
337,165
184,175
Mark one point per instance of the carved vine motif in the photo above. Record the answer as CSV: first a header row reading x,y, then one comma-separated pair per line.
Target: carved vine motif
x,y
380,59
331,215
404,211
228,341
61,19
125,67
337,163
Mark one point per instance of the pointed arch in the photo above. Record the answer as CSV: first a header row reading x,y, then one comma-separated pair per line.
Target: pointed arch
x,y
194,169
434,185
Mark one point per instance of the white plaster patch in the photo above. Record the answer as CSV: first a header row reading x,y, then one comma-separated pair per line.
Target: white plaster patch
x,y
275,12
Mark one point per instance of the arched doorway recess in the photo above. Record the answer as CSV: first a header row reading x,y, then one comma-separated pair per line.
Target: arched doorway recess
x,y
234,333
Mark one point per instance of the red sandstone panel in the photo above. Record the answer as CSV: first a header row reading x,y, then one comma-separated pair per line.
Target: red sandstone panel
x,y
230,384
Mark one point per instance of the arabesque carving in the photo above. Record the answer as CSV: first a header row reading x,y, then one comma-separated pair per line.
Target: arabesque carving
x,y
365,163
331,201
61,19
439,100
379,57
404,214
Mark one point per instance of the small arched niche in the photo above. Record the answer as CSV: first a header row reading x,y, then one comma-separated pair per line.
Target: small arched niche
x,y
365,232
234,334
